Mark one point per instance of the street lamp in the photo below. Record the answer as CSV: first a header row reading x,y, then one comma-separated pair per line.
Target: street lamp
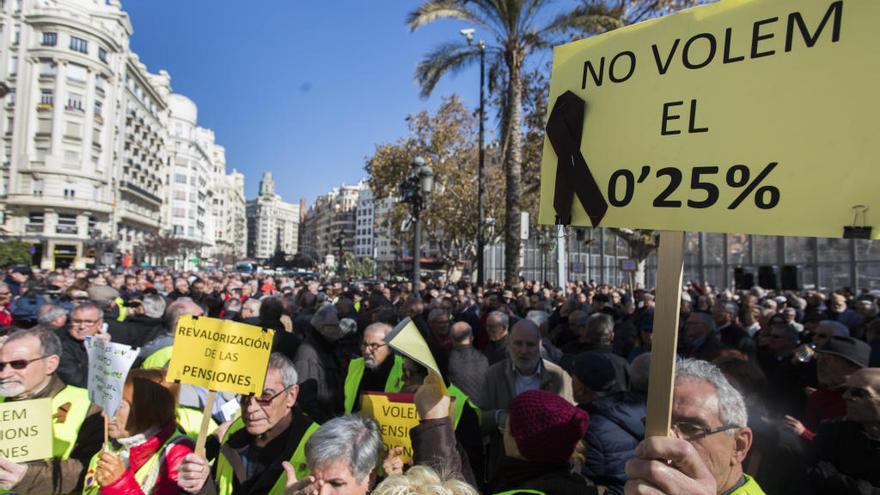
x,y
481,170
415,190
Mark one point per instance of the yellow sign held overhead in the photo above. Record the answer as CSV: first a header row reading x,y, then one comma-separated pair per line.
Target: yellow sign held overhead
x,y
26,430
406,339
220,354
751,116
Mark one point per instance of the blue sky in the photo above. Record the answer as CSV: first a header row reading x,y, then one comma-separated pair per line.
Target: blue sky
x,y
304,89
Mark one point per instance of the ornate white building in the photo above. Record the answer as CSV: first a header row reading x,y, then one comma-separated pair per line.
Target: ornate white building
x,y
93,142
272,224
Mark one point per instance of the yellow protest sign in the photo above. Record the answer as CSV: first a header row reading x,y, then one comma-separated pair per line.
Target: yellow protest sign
x,y
396,415
406,339
220,354
26,430
753,116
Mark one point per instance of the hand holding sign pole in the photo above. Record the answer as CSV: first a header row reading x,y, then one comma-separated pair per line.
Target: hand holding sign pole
x,y
219,355
715,119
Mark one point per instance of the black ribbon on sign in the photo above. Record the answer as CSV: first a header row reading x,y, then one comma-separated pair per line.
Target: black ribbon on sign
x,y
573,176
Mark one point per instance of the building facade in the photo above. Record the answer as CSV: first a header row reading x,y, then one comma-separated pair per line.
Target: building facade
x,y
230,218
272,224
63,63
330,226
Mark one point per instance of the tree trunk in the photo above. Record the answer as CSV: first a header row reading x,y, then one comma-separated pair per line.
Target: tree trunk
x,y
513,171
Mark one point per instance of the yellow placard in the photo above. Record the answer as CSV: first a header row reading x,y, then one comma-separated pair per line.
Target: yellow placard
x,y
750,116
220,354
406,339
396,415
26,430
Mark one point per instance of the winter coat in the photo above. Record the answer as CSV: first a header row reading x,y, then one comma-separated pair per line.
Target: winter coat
x,y
616,428
166,482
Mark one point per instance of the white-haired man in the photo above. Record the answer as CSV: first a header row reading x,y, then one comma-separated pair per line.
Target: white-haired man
x,y
710,440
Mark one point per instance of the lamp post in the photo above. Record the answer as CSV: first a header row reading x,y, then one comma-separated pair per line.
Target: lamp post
x,y
415,190
481,170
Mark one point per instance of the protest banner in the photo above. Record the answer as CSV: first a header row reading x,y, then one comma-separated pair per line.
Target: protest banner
x,y
739,116
396,415
731,117
219,355
26,430
406,339
108,366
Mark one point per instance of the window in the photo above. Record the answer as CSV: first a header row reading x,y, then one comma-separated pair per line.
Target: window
x,y
69,193
180,178
180,195
102,55
13,66
50,39
178,229
179,213
79,45
66,224
100,83
47,97
77,73
37,187
36,218
16,38
74,102
98,108
48,68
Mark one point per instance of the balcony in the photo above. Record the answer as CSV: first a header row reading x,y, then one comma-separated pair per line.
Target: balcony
x,y
66,229
34,228
139,190
44,107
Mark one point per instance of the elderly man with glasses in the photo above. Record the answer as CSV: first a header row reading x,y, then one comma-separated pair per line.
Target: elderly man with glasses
x,y
377,371
28,364
86,320
269,432
709,443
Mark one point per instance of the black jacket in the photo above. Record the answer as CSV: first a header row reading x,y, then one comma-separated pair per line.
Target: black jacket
x,y
846,460
320,377
73,367
515,474
135,331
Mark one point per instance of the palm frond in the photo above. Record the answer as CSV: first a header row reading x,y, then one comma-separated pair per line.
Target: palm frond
x,y
435,10
447,58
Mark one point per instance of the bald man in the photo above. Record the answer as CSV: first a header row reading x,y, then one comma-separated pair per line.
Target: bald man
x,y
467,366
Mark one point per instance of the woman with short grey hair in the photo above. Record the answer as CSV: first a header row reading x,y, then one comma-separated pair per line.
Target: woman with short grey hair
x,y
342,455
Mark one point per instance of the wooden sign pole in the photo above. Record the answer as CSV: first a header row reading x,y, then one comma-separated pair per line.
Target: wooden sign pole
x,y
670,264
206,421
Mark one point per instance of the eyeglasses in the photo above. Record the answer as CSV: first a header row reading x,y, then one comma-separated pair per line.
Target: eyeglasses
x,y
691,431
372,347
19,364
83,322
264,401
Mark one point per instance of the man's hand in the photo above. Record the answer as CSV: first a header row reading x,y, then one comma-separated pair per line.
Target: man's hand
x,y
305,486
11,473
430,401
667,466
192,473
110,468
392,464
794,425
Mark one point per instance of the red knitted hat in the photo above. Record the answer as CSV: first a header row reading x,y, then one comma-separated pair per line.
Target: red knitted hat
x,y
546,427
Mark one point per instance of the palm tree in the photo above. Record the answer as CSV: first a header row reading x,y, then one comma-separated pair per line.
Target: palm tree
x,y
516,30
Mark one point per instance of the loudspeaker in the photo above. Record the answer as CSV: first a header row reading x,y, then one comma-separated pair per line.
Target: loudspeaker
x,y
739,278
791,277
767,277
748,280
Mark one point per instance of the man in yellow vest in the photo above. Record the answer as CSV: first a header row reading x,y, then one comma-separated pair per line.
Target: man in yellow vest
x,y
377,371
28,360
251,456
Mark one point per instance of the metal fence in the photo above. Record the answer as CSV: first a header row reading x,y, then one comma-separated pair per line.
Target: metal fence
x,y
716,259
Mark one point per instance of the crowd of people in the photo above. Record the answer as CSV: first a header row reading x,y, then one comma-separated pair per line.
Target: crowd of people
x,y
545,388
